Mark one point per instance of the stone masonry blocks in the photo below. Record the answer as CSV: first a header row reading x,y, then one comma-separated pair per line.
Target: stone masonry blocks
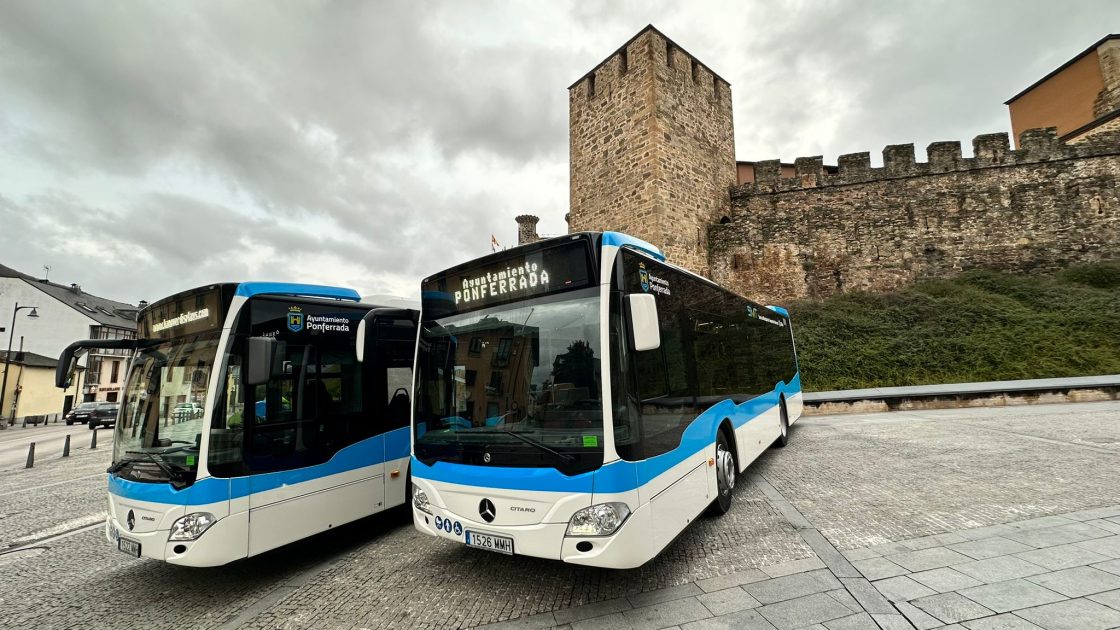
x,y
652,149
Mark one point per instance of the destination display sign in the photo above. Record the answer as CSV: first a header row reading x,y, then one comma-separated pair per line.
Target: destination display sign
x,y
186,314
562,267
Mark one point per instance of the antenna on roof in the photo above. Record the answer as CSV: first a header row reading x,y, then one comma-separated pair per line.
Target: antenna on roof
x,y
46,272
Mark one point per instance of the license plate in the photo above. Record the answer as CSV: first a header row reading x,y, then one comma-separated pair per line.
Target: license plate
x,y
131,547
490,542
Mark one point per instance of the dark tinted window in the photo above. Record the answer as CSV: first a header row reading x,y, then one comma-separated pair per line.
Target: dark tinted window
x,y
319,400
714,346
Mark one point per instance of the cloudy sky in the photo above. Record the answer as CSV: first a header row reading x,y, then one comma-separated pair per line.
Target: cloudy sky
x,y
149,147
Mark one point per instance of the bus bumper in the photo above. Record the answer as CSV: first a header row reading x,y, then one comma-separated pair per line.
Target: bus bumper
x,y
629,547
222,543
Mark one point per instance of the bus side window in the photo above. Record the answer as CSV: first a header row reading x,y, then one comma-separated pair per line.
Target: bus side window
x,y
665,377
627,428
399,384
228,424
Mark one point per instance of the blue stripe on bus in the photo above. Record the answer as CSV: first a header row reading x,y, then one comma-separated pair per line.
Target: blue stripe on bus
x,y
618,239
368,452
249,289
617,476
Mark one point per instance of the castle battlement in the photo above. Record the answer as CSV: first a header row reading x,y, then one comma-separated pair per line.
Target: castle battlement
x,y
991,150
644,52
651,142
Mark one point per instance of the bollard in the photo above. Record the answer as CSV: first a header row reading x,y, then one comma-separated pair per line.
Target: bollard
x,y
93,440
66,446
30,456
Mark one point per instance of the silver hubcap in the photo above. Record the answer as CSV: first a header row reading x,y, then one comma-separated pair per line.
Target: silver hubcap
x,y
725,470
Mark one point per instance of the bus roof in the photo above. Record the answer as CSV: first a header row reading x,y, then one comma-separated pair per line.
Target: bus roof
x,y
250,289
619,239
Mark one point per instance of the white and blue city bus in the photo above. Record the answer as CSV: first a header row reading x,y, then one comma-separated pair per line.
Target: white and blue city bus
x,y
582,399
254,415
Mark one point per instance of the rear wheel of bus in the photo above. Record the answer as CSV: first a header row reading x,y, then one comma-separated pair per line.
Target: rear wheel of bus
x,y
783,438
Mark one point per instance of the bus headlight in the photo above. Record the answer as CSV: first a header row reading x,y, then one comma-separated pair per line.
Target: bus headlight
x,y
603,519
420,500
191,526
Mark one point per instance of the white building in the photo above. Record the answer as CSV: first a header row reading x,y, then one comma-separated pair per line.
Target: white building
x,y
67,314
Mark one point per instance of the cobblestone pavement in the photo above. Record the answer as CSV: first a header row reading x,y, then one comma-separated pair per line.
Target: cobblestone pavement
x,y
56,495
870,479
923,518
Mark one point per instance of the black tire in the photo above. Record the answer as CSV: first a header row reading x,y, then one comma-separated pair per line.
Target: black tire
x,y
69,422
726,472
783,438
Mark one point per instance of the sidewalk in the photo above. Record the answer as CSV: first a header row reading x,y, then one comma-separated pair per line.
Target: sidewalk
x,y
1054,572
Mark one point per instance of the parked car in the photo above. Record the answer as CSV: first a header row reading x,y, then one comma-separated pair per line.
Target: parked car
x,y
81,414
104,415
186,411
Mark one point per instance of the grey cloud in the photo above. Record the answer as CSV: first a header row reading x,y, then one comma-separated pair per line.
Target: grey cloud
x,y
348,130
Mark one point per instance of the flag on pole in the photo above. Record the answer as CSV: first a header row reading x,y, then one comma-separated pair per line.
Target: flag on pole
x,y
494,244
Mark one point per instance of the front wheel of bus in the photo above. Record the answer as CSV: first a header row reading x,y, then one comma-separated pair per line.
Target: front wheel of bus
x,y
725,476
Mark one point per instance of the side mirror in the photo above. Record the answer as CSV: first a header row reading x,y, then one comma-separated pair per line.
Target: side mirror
x,y
64,371
262,360
641,315
360,342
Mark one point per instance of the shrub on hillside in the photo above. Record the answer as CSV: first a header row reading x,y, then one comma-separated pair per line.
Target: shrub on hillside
x,y
979,326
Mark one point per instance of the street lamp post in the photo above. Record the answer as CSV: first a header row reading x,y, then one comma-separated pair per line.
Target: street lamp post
x,y
8,357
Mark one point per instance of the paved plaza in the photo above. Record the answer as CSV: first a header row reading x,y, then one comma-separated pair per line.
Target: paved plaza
x,y
968,518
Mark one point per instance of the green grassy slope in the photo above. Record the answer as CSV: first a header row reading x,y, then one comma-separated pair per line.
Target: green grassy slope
x,y
979,326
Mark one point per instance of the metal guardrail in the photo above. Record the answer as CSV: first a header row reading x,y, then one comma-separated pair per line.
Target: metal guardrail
x,y
1037,385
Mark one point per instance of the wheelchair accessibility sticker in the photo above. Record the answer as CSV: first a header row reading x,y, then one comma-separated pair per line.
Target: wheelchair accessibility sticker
x,y
449,526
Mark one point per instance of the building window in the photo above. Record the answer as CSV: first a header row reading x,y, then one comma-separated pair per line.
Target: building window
x,y
501,356
476,346
116,372
495,386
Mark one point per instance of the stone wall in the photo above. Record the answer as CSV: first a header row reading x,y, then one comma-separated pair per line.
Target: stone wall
x,y
652,148
1039,208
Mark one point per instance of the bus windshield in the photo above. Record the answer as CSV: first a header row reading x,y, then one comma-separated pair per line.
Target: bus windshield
x,y
517,385
158,434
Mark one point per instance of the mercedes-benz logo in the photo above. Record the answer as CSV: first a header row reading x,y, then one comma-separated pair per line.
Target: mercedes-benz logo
x,y
130,520
486,458
487,511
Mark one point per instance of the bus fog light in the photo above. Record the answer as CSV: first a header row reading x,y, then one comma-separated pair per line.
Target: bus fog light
x,y
603,519
420,500
191,526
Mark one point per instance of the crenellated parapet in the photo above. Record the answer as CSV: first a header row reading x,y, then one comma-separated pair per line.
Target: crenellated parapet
x,y
815,230
991,150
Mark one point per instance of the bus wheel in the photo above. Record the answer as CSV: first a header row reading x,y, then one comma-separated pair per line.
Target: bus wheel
x,y
725,476
783,439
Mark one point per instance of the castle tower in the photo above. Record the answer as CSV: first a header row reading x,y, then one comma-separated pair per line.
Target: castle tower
x,y
652,148
1108,100
527,229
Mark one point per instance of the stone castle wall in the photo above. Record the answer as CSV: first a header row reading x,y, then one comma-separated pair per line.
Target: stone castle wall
x,y
652,148
1038,208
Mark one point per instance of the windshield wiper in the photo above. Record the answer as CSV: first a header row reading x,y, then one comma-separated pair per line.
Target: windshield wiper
x,y
174,472
564,457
